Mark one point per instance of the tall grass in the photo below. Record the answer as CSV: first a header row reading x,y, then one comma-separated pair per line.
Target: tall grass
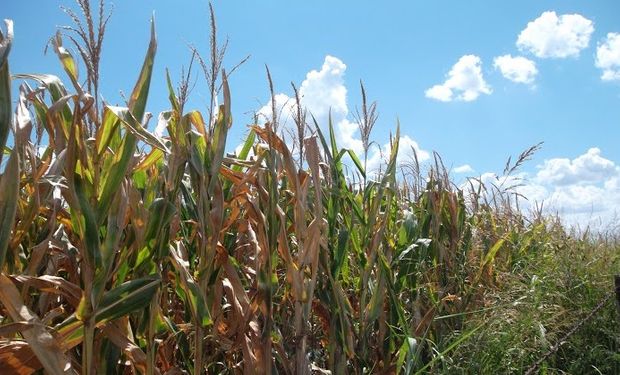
x,y
126,252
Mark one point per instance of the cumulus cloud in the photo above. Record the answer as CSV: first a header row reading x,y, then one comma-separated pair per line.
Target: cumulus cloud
x,y
580,199
408,151
464,82
590,167
323,91
584,191
439,92
465,168
550,36
517,183
517,69
608,57
285,108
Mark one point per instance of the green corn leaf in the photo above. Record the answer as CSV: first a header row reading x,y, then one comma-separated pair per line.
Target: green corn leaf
x,y
152,158
489,258
91,233
341,252
123,115
357,162
126,298
139,96
106,131
332,134
9,190
194,296
171,94
137,105
339,155
114,231
218,144
357,209
323,139
115,176
67,61
245,149
195,118
397,305
160,213
390,170
493,252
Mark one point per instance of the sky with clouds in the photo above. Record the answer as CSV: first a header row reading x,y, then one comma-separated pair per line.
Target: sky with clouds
x,y
475,81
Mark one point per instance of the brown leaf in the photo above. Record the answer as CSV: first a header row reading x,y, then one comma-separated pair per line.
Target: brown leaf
x,y
53,284
115,332
43,344
16,358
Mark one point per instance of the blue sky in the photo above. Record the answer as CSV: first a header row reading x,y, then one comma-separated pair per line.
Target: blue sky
x,y
435,65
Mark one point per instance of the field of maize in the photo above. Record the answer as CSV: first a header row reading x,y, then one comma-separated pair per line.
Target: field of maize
x,y
125,252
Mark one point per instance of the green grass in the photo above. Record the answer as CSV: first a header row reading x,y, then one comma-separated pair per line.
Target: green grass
x,y
538,300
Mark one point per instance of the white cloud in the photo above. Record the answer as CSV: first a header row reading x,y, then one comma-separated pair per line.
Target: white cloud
x,y
516,183
285,108
584,191
348,136
590,167
556,37
608,57
439,92
464,82
465,168
517,69
408,150
323,91
579,199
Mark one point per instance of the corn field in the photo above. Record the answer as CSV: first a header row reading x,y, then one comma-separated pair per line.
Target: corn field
x,y
126,252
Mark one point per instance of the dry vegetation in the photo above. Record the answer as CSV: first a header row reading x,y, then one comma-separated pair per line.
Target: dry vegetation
x,y
124,252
